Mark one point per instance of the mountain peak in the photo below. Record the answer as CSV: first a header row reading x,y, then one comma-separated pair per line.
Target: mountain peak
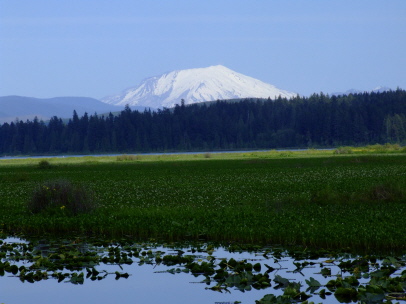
x,y
195,85
379,89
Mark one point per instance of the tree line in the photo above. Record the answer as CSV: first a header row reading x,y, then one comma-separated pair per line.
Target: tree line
x,y
316,121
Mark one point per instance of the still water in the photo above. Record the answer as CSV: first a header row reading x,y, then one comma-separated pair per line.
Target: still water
x,y
150,281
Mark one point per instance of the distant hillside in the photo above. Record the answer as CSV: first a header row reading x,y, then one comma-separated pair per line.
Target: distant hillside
x,y
23,108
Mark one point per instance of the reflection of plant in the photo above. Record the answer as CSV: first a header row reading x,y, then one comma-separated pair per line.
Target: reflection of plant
x,y
80,261
61,196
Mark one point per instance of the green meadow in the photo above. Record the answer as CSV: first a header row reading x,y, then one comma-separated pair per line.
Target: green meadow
x,y
344,199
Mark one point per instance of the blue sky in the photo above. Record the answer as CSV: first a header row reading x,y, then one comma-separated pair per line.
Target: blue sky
x,y
92,48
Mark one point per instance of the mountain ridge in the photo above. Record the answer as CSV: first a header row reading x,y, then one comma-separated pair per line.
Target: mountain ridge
x,y
195,85
22,108
378,89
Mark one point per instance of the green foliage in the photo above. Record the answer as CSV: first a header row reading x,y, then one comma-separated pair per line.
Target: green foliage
x,y
384,148
378,148
126,157
330,202
386,192
343,150
17,177
207,155
61,198
44,164
346,295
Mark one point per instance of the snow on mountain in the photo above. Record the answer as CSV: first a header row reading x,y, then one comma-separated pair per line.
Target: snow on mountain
x,y
195,85
379,89
348,92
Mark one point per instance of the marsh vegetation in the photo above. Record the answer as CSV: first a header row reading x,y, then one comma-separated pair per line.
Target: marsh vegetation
x,y
347,208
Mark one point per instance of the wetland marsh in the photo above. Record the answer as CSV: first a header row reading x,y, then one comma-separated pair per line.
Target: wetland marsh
x,y
348,207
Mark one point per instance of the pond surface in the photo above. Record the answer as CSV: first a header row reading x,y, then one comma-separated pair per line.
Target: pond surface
x,y
91,271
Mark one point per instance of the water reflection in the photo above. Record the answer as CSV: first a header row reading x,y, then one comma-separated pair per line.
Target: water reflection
x,y
105,272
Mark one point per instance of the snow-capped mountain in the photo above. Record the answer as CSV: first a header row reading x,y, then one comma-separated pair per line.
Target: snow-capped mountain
x,y
195,85
379,89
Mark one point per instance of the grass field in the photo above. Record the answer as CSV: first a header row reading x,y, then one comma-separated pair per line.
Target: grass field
x,y
311,198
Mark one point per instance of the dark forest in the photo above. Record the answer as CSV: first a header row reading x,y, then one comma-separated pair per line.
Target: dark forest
x,y
301,122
